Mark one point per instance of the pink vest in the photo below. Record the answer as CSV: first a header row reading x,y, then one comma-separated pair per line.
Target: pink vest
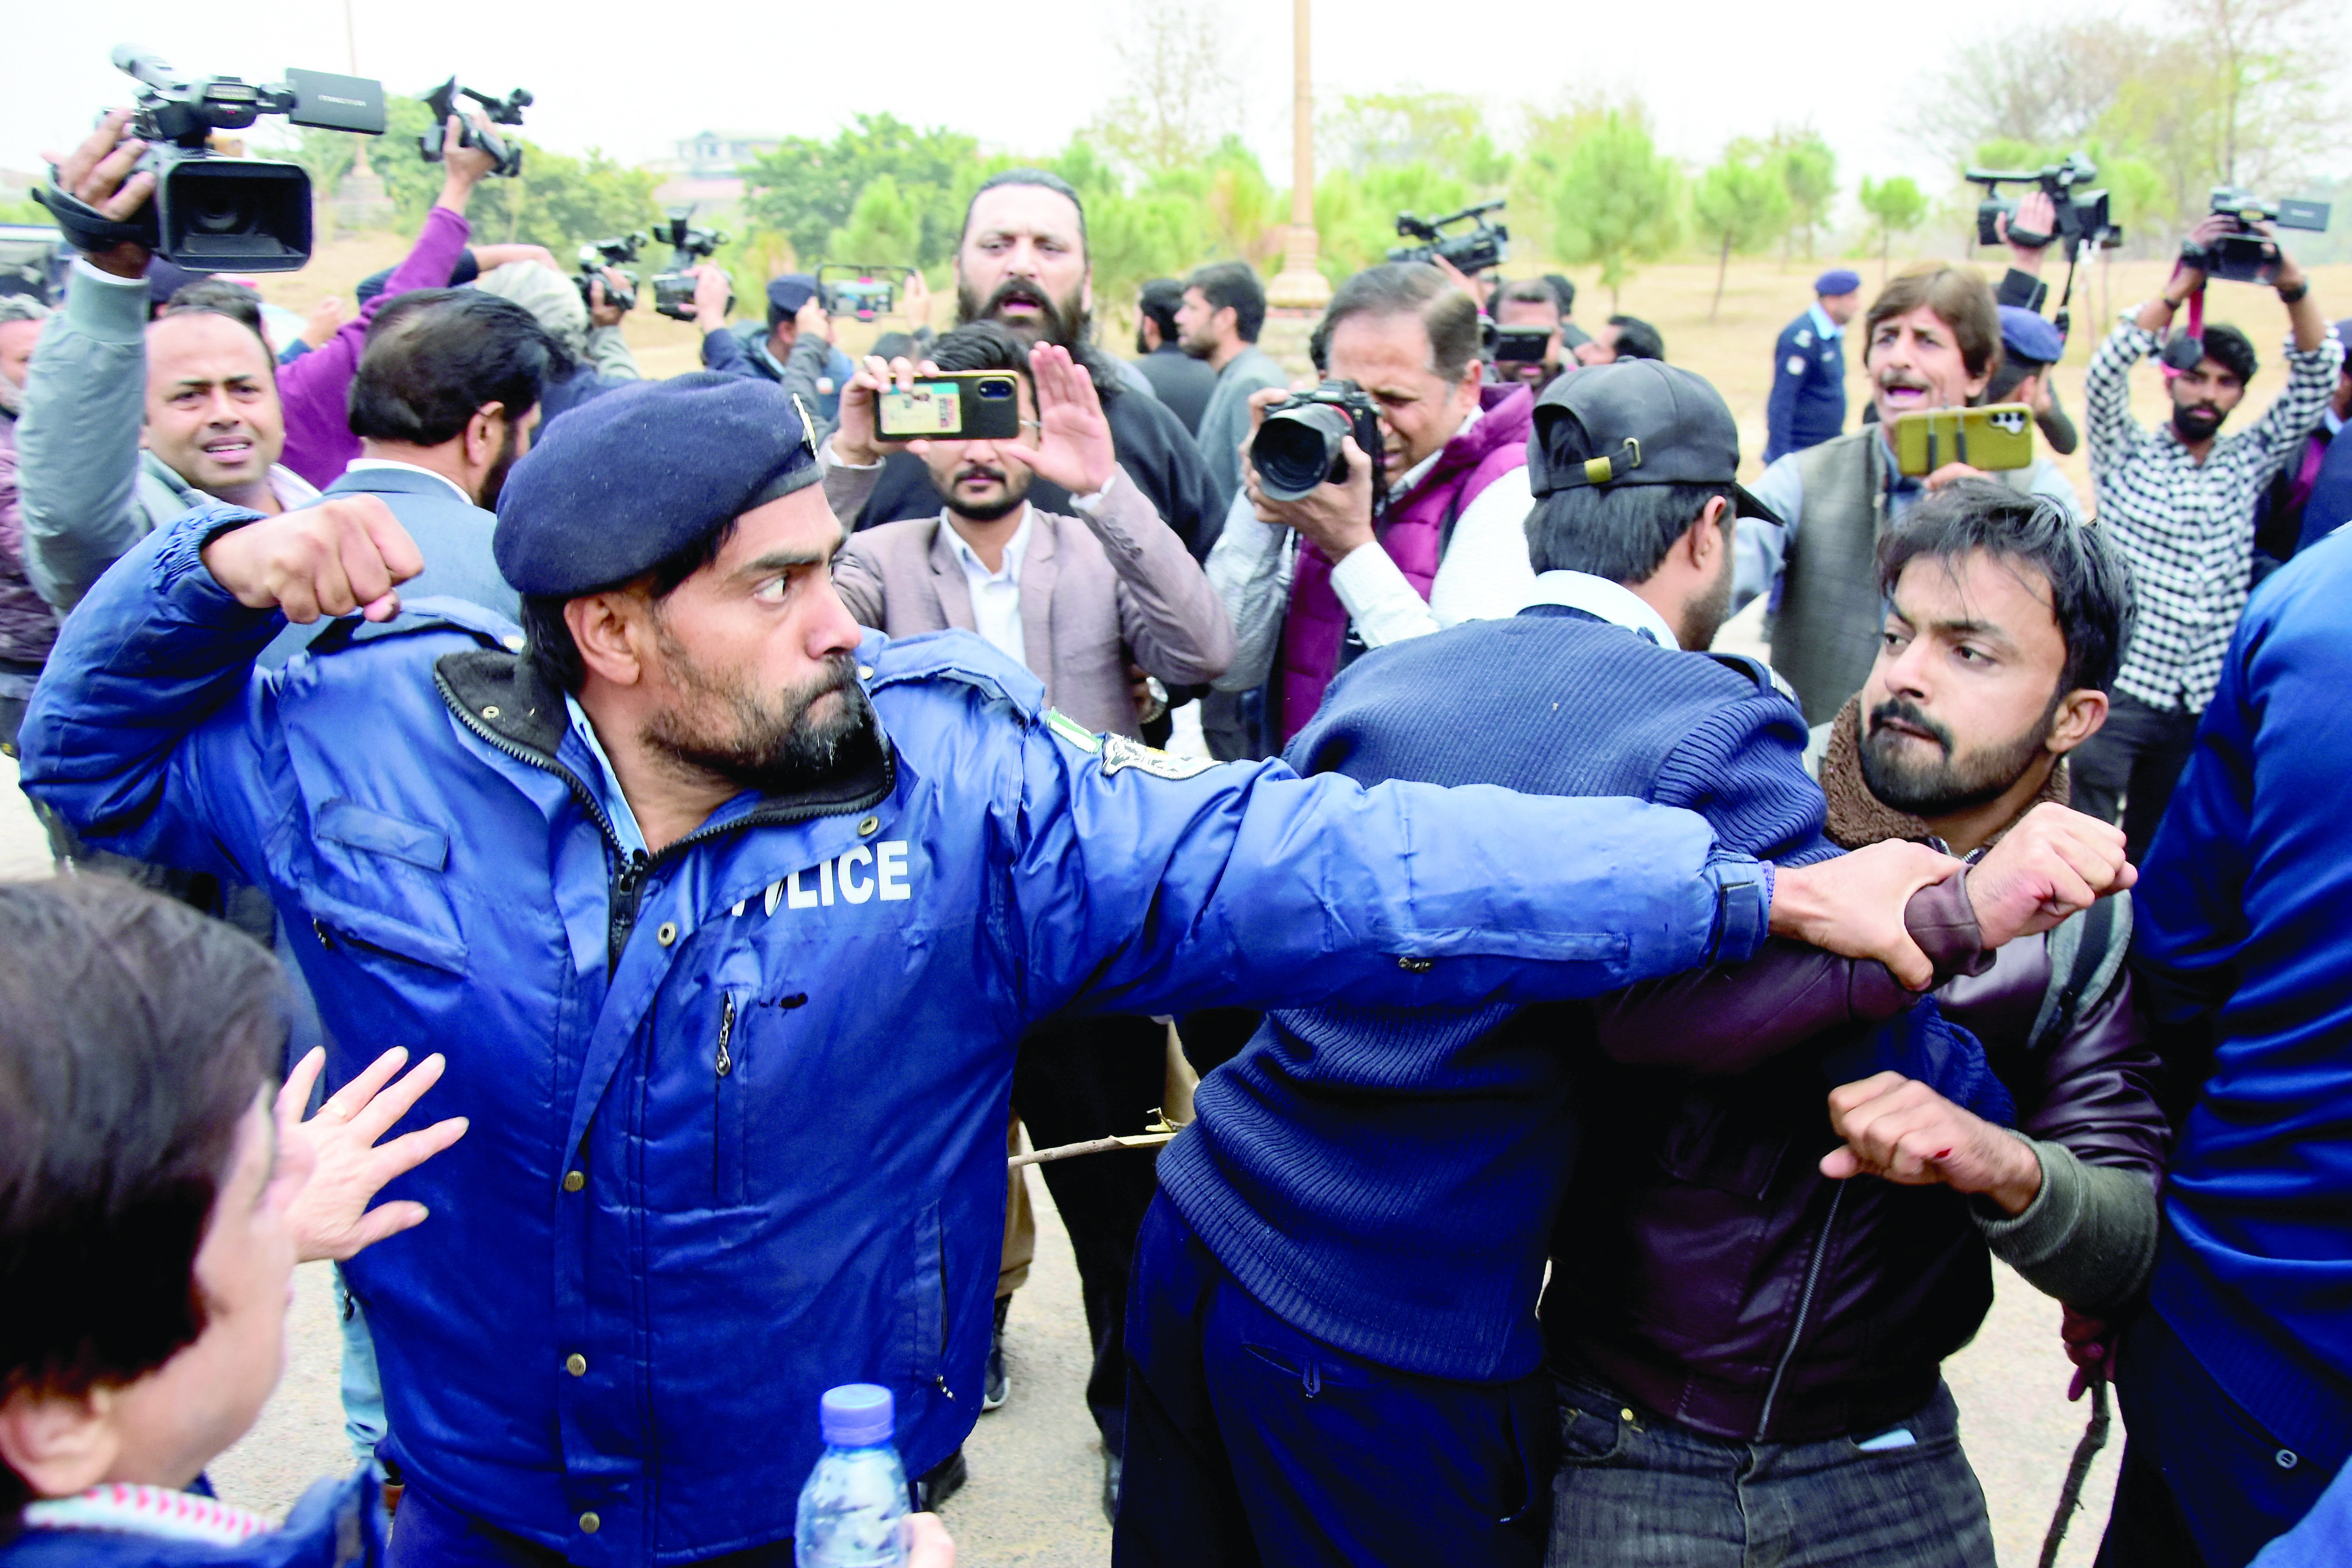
x,y
1414,535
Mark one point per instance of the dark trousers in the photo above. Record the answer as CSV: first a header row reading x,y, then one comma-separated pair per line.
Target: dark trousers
x,y
1637,1491
1249,1442
2202,1484
2133,762
1097,1077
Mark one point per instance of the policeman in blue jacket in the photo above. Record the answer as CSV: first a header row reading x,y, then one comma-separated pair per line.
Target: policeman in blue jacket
x,y
728,916
1807,405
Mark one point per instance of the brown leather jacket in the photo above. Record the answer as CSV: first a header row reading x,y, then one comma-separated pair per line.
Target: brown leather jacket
x,y
1703,1268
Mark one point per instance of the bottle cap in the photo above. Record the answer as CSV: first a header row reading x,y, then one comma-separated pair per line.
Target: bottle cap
x,y
856,1415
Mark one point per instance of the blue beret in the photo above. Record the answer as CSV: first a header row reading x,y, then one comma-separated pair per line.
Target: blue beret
x,y
1838,280
2028,337
624,481
790,291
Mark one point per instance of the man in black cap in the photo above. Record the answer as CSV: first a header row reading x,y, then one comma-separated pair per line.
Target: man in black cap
x,y
1333,1332
795,349
728,917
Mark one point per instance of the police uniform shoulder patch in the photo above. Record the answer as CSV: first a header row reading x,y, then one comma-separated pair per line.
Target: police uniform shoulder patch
x,y
1120,753
1796,365
1804,337
1072,732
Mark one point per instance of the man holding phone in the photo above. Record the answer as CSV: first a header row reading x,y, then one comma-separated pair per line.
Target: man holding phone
x,y
1931,341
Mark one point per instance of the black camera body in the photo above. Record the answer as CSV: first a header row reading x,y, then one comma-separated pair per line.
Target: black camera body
x,y
2249,256
1297,446
1473,250
209,212
615,253
506,110
2083,218
674,290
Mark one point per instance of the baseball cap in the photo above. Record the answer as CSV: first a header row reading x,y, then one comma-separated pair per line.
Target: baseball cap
x,y
1636,422
790,291
2029,337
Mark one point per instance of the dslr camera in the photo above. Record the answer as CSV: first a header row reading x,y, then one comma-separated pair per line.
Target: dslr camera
x,y
674,290
1299,444
506,110
2248,256
1474,249
2082,212
212,214
615,253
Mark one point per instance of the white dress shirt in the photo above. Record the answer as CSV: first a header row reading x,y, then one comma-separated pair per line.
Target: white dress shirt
x,y
996,595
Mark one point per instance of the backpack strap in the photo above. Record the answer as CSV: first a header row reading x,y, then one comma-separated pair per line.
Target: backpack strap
x,y
1766,677
2087,953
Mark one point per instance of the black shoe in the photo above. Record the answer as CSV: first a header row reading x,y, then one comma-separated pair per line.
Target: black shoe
x,y
1000,1383
1112,1464
943,1481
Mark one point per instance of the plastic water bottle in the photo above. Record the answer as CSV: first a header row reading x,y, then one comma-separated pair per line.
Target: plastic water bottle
x,y
853,1510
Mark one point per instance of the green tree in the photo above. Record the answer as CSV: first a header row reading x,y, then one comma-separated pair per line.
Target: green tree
x,y
1895,207
807,188
1808,174
1617,202
1740,204
1180,97
1446,130
1354,215
883,227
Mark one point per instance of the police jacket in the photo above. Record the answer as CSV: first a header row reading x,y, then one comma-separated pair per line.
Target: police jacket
x,y
737,1109
1807,403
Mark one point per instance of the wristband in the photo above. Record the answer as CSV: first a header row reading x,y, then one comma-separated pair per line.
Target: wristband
x,y
2293,294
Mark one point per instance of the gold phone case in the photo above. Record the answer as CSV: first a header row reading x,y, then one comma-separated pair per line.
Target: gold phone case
x,y
1992,438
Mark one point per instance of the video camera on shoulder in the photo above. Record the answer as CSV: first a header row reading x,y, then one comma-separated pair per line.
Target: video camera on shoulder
x,y
861,288
506,110
615,253
1473,250
2083,218
212,214
674,290
2249,256
1299,443
1521,345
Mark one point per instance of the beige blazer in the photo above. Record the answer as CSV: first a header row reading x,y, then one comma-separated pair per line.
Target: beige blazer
x,y
1096,592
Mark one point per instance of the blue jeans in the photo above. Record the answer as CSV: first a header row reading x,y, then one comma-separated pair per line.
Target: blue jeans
x,y
1637,1491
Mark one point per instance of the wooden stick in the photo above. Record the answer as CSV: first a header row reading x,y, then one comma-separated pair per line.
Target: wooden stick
x,y
1092,1146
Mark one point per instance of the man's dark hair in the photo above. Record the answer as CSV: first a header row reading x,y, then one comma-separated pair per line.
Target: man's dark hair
x,y
2232,350
134,1035
2010,377
1960,298
2090,587
218,297
1158,301
1234,284
1407,288
1563,290
1621,532
1524,292
435,357
1044,179
1636,339
547,643
981,345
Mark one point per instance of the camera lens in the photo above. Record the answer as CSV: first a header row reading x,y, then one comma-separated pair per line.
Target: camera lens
x,y
1299,448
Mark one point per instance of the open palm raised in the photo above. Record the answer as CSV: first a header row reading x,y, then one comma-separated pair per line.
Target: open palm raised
x,y
1074,446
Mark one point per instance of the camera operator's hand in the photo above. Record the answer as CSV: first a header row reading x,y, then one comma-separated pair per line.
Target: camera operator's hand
x,y
1462,280
853,441
2036,213
345,554
490,256
915,302
97,172
2188,280
1335,519
602,311
714,295
325,320
462,167
2054,863
1074,447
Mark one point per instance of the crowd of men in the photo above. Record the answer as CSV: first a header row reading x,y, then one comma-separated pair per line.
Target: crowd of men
x,y
1619,1062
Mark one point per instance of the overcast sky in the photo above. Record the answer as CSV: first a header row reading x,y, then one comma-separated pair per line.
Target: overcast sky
x,y
1709,69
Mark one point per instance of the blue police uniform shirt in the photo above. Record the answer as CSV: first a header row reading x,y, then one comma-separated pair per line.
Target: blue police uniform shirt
x,y
1807,405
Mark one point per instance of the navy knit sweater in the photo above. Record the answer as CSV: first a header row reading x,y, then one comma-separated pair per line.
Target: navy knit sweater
x,y
1384,1179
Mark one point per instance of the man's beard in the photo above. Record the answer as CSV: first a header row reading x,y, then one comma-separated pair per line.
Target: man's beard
x,y
1704,613
494,481
1063,322
2197,421
1017,491
1950,784
1198,346
773,744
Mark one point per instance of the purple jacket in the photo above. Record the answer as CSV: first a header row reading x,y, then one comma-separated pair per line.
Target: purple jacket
x,y
1414,535
315,390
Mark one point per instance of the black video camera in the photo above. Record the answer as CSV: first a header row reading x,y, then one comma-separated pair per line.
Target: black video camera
x,y
1298,447
2249,256
674,290
211,214
1473,250
599,253
2082,212
506,110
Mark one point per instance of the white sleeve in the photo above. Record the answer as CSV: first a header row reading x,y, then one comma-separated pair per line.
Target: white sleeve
x,y
1250,568
1484,574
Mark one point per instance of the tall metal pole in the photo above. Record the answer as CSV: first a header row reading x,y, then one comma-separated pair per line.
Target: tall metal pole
x,y
1300,285
351,53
